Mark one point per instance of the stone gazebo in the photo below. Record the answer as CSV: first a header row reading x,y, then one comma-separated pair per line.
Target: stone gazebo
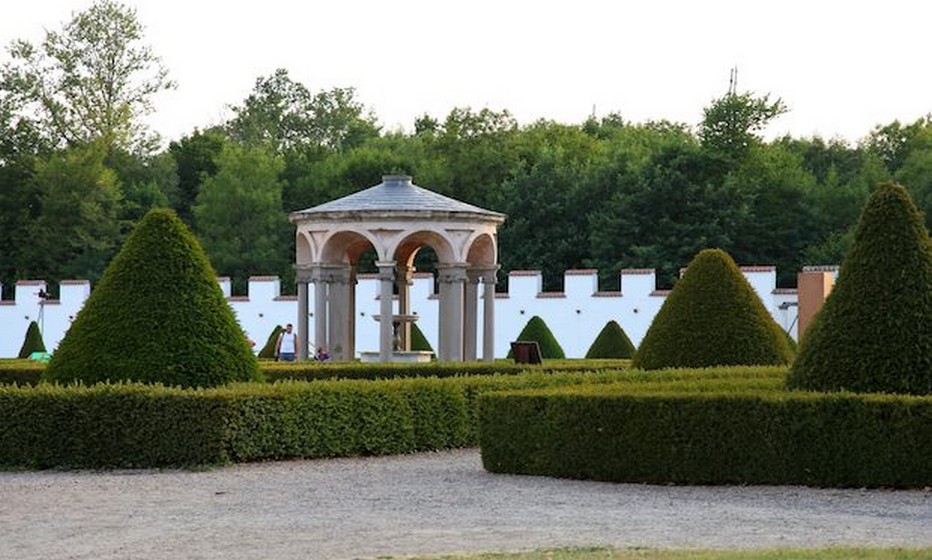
x,y
396,218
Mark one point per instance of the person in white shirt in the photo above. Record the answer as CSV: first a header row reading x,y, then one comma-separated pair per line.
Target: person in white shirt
x,y
287,347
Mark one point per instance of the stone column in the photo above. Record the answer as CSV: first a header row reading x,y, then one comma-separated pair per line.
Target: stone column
x,y
386,282
302,277
452,279
470,315
404,276
320,310
350,344
338,291
489,279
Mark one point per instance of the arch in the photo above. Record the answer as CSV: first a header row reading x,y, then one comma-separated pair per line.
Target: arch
x,y
407,247
345,246
482,250
304,252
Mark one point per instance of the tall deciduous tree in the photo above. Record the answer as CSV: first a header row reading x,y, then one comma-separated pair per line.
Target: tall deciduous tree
x,y
731,125
284,114
91,80
76,231
239,215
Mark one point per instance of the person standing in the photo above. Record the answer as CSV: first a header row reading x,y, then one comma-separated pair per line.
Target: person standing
x,y
287,347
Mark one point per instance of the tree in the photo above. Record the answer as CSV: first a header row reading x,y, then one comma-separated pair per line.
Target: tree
x,y
874,333
156,316
239,216
195,158
612,342
268,350
712,317
91,80
282,114
676,205
731,124
76,229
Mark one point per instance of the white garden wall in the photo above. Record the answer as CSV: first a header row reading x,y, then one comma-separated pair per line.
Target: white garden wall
x,y
575,315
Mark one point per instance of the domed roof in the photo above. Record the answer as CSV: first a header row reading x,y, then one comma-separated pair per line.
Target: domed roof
x,y
396,193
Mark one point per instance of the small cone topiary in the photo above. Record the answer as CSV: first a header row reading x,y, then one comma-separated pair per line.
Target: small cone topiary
x,y
157,315
612,342
419,342
268,351
712,317
874,332
536,329
32,342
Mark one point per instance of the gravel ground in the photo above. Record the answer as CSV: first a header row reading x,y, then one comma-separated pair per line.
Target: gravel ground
x,y
428,503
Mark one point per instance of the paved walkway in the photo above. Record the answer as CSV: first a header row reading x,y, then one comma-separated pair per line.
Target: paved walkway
x,y
428,503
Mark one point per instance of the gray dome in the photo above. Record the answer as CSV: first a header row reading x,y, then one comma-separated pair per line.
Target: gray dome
x,y
396,193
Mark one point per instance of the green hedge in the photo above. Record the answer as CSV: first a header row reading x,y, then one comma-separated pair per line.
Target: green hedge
x,y
135,425
27,372
722,431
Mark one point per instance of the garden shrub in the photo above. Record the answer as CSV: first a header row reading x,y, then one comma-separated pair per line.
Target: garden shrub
x,y
268,351
537,330
33,341
727,431
874,332
712,317
156,315
419,342
612,342
137,425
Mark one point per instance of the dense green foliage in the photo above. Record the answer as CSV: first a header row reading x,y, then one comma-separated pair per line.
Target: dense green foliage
x,y
612,342
134,425
605,193
536,330
32,342
712,317
874,333
157,315
419,342
268,350
725,426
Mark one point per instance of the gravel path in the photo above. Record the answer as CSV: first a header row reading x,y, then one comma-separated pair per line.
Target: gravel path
x,y
429,503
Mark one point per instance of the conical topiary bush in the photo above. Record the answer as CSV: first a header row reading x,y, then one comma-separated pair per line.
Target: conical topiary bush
x,y
712,317
536,330
156,315
419,342
268,351
612,342
874,332
32,342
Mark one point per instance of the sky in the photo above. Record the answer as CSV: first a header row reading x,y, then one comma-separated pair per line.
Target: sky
x,y
841,67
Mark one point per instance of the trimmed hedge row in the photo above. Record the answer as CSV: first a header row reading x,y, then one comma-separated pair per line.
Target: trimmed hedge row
x,y
27,372
709,432
134,425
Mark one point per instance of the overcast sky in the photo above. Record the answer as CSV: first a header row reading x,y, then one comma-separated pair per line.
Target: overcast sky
x,y
841,67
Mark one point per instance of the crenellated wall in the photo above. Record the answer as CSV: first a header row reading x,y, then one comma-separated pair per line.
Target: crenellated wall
x,y
575,315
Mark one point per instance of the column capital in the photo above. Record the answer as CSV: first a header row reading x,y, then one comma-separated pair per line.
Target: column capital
x,y
386,270
489,273
448,273
302,273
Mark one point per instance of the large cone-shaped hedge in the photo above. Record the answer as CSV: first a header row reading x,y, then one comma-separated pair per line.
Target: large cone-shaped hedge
x,y
712,317
33,341
874,333
157,315
612,342
536,329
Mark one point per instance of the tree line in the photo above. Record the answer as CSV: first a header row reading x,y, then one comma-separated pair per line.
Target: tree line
x,y
78,168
